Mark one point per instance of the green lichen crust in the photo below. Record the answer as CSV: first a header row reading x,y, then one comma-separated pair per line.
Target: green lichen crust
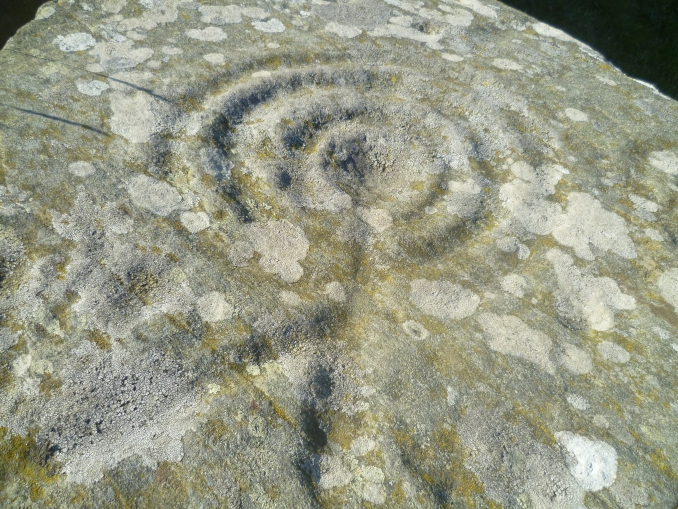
x,y
332,254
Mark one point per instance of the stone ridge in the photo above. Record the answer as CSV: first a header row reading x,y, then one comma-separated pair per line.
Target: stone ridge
x,y
375,253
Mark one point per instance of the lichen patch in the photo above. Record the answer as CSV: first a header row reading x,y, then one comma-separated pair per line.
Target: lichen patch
x,y
443,299
587,224
479,8
195,222
613,352
525,196
464,198
515,284
593,463
576,115
75,42
415,330
209,34
506,64
583,297
379,219
282,246
576,360
154,195
123,406
343,30
213,307
272,26
120,55
92,88
668,287
81,168
335,291
406,32
132,116
665,161
509,335
215,58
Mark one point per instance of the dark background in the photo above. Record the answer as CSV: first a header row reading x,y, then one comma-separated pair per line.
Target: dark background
x,y
638,36
14,14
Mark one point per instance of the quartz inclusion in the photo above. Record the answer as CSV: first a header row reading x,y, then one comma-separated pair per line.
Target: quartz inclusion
x,y
332,254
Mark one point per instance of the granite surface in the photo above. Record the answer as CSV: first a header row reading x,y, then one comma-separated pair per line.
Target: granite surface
x,y
332,254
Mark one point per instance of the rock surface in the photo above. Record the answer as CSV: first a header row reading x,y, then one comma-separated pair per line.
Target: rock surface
x,y
332,254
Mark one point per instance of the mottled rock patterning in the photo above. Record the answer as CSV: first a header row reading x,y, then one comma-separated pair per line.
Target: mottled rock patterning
x,y
308,253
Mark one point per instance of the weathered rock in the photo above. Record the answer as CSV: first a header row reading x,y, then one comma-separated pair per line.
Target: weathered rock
x,y
341,254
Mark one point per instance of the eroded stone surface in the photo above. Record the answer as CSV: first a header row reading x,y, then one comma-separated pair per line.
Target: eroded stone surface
x,y
332,254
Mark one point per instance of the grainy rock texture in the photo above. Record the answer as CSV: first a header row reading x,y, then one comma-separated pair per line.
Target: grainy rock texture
x,y
332,254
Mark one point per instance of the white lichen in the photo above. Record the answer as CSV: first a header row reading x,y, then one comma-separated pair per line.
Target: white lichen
x,y
81,168
668,287
132,116
120,55
45,12
581,296
222,15
209,34
586,224
75,42
576,360
509,335
452,396
332,473
379,219
514,284
653,234
346,31
195,222
362,445
154,195
290,298
335,291
506,64
442,299
215,58
272,26
593,463
525,197
576,115
404,32
578,402
479,7
282,246
464,198
549,31
115,405
453,17
92,88
665,161
452,57
645,208
416,330
613,352
213,307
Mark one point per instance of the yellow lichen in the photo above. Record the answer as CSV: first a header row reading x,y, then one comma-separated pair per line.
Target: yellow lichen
x,y
49,384
101,339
